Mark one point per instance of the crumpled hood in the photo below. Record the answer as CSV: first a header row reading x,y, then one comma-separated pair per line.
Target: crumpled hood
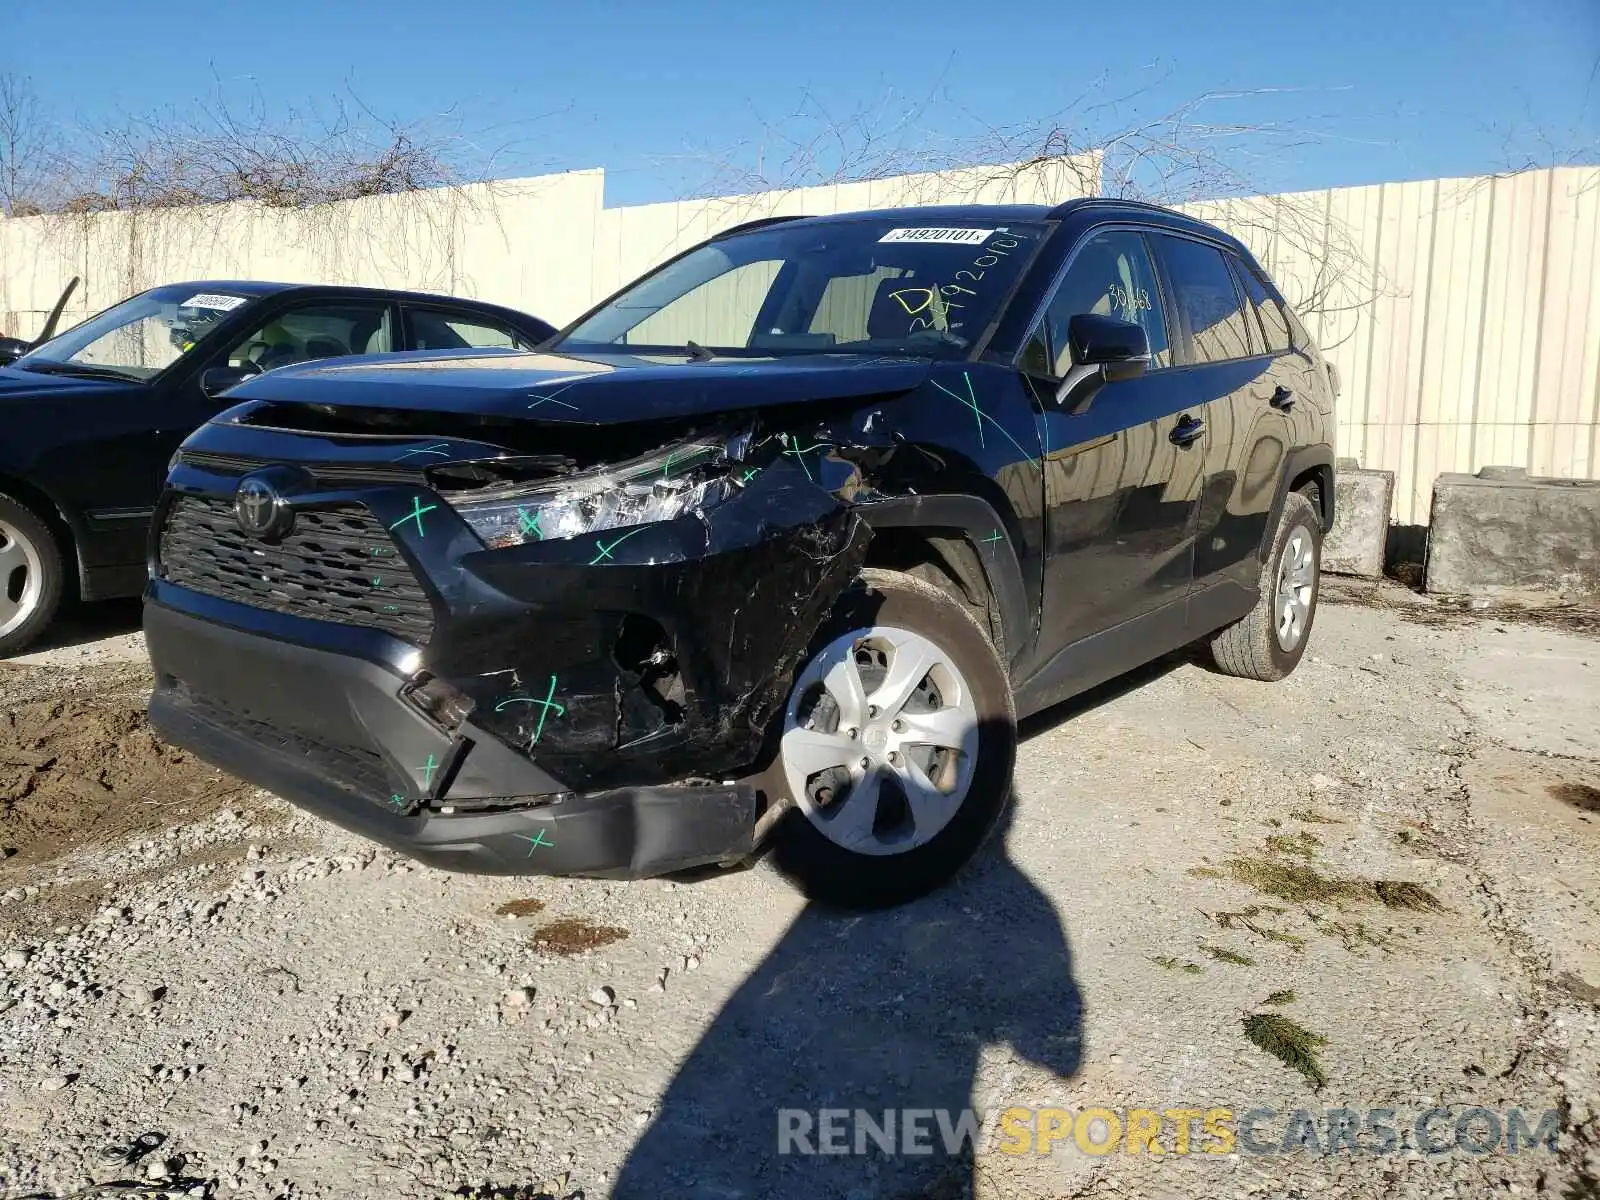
x,y
566,389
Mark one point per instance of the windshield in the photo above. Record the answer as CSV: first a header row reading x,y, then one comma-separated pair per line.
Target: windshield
x,y
140,337
883,285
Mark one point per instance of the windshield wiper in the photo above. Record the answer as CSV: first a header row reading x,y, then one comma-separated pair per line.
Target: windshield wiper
x,y
697,352
83,369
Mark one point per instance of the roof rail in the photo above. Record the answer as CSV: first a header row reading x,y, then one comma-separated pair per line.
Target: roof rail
x,y
1061,210
747,226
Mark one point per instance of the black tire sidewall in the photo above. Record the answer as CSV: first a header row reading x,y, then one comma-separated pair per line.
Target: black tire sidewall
x,y
52,574
1298,513
833,875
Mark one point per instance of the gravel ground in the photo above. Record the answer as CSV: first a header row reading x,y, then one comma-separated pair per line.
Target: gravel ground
x,y
299,1013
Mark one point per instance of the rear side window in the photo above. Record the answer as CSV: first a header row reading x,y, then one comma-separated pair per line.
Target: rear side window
x,y
1205,299
1270,312
434,329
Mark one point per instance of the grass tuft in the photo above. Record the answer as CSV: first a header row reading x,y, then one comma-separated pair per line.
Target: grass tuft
x,y
1173,964
1312,817
1413,897
1245,918
1280,998
1303,884
1289,1043
1223,954
1302,845
1290,881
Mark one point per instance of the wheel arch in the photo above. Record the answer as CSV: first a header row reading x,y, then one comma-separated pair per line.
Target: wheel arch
x,y
1310,464
56,516
966,539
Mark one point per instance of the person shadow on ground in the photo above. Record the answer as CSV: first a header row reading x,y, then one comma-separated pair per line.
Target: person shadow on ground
x,y
878,1011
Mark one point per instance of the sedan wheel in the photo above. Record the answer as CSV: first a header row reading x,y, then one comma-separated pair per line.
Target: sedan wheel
x,y
30,576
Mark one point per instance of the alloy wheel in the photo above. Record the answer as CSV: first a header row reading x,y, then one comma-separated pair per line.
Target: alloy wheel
x,y
879,740
21,578
1297,578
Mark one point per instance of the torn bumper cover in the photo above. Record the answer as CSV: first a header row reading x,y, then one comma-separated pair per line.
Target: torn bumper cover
x,y
548,714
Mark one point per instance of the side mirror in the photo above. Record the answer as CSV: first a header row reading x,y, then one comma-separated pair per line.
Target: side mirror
x,y
216,380
1104,350
12,349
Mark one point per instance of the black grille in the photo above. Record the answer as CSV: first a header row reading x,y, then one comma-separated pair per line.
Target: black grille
x,y
337,565
357,769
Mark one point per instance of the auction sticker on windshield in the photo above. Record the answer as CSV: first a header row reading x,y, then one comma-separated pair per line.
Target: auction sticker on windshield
x,y
211,300
953,237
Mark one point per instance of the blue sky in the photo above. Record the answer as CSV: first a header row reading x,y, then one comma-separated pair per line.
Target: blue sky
x,y
658,93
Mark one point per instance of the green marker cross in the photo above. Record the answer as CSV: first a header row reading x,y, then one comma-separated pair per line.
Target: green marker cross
x,y
416,514
531,524
545,707
801,455
535,842
551,399
970,401
605,550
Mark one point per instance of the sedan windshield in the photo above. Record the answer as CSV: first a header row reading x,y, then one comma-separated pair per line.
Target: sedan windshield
x,y
138,338
882,285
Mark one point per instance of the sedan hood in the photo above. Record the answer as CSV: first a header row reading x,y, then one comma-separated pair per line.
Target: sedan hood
x,y
19,385
572,390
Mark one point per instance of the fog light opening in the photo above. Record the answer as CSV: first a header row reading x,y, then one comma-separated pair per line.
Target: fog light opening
x,y
643,649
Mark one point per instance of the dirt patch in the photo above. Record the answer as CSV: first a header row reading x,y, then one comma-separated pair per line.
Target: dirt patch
x,y
573,935
1579,795
1450,611
84,769
519,908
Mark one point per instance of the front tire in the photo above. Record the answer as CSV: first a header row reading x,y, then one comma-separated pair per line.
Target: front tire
x,y
31,576
1268,642
896,746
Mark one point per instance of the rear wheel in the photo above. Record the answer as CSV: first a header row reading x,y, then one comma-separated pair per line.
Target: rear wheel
x,y
31,576
1268,643
897,746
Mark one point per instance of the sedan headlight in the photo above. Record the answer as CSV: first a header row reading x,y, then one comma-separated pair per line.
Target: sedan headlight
x,y
658,487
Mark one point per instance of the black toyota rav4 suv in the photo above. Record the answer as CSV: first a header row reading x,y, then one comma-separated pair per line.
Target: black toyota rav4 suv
x,y
772,548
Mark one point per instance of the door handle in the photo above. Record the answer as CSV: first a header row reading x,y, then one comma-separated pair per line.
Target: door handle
x,y
1187,431
1282,398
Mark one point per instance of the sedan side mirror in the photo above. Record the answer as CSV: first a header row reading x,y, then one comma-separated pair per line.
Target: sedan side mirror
x,y
216,380
1104,350
12,349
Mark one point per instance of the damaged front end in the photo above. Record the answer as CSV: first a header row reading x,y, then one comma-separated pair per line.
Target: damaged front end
x,y
552,625
662,602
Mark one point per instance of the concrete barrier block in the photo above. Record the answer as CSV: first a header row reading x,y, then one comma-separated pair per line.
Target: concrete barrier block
x,y
1502,531
1362,501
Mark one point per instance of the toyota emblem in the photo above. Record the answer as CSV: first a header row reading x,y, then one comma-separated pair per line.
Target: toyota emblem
x,y
261,511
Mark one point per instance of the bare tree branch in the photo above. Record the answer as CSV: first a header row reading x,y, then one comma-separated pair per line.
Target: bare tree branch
x,y
29,150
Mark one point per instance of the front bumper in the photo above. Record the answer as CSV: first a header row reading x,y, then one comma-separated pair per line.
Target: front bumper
x,y
599,692
328,732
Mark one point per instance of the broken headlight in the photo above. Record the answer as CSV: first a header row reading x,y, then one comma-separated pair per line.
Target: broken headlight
x,y
659,487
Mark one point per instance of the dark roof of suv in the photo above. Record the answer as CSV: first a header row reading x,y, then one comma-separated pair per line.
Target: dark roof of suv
x,y
1111,206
